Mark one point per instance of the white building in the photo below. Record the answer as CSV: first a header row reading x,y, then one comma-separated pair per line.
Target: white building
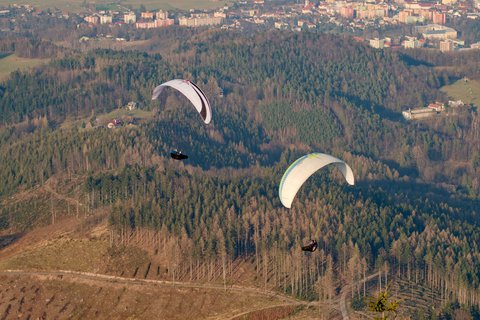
x,y
421,113
436,31
106,19
411,43
162,15
130,17
198,21
377,43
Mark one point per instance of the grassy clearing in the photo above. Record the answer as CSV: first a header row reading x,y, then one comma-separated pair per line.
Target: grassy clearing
x,y
467,91
11,63
77,5
123,113
61,254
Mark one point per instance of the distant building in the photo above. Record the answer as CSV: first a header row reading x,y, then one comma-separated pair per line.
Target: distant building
x,y
414,5
371,11
347,12
411,43
162,15
455,104
377,43
414,19
280,25
437,106
439,18
106,19
446,46
475,45
220,14
200,20
129,17
92,19
437,32
420,113
426,14
154,24
403,15
147,15
132,105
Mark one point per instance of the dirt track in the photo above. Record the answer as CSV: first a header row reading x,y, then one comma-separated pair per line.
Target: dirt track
x,y
74,275
278,300
66,294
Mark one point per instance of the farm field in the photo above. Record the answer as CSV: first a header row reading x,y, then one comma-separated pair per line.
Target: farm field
x,y
467,91
77,5
11,63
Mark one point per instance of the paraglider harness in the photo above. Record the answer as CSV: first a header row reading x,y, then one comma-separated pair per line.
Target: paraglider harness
x,y
178,155
311,246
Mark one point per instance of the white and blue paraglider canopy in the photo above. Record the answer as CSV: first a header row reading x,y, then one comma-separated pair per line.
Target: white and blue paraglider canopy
x,y
303,168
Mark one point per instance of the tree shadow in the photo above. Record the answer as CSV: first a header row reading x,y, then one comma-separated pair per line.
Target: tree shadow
x,y
414,62
382,111
7,240
418,192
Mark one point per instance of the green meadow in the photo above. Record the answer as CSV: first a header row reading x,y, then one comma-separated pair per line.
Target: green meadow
x,y
78,5
468,91
10,63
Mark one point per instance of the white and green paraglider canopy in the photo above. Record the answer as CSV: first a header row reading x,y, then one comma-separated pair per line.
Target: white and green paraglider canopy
x,y
192,92
303,168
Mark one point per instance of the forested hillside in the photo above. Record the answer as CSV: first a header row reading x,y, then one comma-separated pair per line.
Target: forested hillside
x,y
275,96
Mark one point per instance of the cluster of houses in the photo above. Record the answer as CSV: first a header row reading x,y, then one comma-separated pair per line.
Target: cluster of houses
x,y
307,14
431,110
146,20
115,123
431,35
357,14
151,20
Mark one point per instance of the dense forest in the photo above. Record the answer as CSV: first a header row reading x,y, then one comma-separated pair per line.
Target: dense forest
x,y
413,213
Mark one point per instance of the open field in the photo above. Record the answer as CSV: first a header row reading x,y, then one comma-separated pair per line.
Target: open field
x,y
122,113
467,91
106,283
71,296
127,116
77,5
39,289
11,63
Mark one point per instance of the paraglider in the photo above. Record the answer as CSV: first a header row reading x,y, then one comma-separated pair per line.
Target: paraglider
x,y
192,92
311,246
178,155
195,95
303,168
